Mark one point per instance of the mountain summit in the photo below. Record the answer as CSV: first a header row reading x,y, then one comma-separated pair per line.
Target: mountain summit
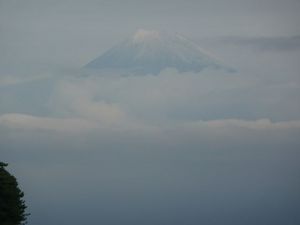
x,y
150,52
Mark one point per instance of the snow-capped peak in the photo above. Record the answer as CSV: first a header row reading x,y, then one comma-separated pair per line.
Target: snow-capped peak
x,y
150,52
145,35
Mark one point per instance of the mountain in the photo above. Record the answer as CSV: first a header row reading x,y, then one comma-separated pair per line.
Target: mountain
x,y
150,52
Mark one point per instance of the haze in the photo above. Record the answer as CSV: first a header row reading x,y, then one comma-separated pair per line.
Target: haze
x,y
209,147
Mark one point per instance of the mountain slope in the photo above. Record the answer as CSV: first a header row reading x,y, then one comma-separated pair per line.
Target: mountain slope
x,y
149,52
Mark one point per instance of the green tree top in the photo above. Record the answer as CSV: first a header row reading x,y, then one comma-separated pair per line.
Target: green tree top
x,y
12,205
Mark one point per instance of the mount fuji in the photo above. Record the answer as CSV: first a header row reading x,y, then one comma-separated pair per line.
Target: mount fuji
x,y
150,52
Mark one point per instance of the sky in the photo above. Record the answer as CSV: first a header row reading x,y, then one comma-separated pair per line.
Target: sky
x,y
177,148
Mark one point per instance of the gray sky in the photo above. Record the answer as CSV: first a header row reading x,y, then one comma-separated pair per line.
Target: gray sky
x,y
73,32
192,148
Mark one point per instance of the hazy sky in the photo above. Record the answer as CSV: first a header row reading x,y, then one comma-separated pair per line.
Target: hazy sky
x,y
177,148
72,32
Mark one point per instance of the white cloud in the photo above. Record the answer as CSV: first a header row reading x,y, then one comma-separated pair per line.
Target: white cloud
x,y
260,124
163,102
75,125
77,98
142,97
28,122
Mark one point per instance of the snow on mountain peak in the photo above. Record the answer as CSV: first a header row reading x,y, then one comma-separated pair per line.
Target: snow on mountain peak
x,y
144,35
150,52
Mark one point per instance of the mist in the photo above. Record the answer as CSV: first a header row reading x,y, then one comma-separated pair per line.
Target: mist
x,y
208,147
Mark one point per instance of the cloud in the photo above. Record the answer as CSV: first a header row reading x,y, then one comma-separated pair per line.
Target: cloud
x,y
260,124
208,100
161,100
28,122
172,96
6,80
279,43
78,125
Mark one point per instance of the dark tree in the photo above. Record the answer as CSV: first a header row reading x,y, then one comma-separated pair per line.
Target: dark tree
x,y
12,205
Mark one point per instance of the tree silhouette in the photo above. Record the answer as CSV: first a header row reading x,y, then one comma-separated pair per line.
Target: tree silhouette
x,y
12,205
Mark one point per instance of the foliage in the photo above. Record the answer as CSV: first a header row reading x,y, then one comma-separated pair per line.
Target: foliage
x,y
12,205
